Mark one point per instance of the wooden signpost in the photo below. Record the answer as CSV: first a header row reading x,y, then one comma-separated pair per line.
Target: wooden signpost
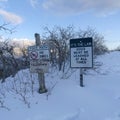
x,y
39,61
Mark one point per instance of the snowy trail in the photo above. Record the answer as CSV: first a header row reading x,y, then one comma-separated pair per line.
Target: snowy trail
x,y
98,100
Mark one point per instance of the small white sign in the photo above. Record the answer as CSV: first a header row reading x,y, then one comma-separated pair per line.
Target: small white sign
x,y
39,66
38,53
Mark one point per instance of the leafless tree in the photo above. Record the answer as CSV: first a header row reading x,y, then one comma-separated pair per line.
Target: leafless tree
x,y
59,44
99,46
4,61
59,38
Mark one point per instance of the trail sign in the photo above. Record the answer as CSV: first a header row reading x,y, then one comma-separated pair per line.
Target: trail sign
x,y
39,57
81,53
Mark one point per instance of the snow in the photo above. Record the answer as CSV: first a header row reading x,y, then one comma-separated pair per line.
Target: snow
x,y
65,100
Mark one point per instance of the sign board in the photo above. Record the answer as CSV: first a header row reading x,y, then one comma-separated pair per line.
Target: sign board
x,y
39,57
38,52
39,66
81,53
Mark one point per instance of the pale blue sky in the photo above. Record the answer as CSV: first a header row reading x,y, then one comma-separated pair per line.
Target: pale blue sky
x,y
31,15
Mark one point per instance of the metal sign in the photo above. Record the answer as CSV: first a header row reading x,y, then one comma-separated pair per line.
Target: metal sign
x,y
39,57
38,52
81,53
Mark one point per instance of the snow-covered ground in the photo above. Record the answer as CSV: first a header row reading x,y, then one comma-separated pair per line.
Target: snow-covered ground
x,y
66,100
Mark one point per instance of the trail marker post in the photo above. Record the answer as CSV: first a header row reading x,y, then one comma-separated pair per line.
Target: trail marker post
x,y
81,55
39,61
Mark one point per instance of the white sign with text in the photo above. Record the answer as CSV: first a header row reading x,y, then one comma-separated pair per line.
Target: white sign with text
x,y
81,53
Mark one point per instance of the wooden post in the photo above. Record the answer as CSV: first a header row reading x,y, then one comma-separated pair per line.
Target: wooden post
x,y
41,77
81,78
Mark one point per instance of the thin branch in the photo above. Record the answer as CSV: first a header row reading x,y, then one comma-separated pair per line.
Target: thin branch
x,y
5,28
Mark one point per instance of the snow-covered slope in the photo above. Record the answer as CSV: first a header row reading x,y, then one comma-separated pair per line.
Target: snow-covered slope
x,y
66,100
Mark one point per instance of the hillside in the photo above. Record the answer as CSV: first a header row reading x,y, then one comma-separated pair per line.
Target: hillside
x,y
66,100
